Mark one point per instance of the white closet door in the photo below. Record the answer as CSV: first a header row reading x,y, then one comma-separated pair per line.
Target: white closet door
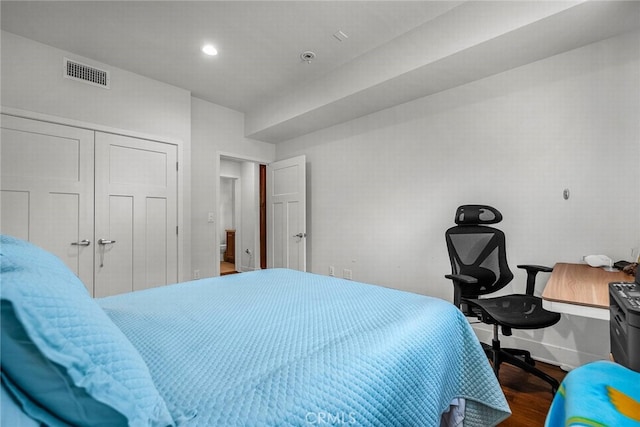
x,y
47,189
136,214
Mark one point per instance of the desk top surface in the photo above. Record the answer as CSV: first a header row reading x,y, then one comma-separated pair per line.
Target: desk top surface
x,y
581,284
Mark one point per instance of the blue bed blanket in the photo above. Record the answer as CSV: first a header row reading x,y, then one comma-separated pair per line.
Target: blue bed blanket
x,y
281,347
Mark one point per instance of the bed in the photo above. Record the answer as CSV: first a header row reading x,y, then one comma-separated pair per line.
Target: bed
x,y
271,347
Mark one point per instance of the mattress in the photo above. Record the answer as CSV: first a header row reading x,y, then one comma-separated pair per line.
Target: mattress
x,y
282,347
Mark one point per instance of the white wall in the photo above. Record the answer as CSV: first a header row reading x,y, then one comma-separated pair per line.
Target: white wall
x,y
32,81
216,131
383,188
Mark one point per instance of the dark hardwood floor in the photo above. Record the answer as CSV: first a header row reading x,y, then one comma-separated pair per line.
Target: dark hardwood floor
x,y
529,397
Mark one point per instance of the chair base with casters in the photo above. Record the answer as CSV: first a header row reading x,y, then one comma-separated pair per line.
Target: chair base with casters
x,y
516,357
479,267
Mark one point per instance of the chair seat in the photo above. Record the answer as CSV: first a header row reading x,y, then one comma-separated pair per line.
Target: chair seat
x,y
517,311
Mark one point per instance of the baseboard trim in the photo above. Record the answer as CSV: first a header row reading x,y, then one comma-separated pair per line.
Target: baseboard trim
x,y
566,358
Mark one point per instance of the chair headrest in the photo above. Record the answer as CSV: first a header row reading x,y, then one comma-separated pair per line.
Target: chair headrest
x,y
477,214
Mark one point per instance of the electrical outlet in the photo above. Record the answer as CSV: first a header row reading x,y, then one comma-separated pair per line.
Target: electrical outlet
x,y
347,274
196,274
211,217
332,271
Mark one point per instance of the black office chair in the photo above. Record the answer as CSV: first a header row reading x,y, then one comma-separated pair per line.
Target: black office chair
x,y
479,267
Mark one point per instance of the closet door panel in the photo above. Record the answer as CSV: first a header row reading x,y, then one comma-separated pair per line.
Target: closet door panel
x,y
114,261
156,242
142,236
14,217
47,189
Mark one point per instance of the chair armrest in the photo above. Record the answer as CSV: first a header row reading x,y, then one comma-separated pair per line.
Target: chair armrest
x,y
460,280
536,268
532,271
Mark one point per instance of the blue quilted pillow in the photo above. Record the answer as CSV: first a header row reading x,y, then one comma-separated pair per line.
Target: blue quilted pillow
x,y
62,357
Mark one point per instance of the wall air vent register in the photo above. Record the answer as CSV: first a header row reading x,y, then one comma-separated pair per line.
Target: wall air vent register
x,y
85,73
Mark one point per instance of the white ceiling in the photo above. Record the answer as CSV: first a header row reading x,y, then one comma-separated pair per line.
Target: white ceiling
x,y
396,50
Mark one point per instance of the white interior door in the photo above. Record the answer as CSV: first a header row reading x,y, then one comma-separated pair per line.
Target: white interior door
x,y
47,189
286,214
136,214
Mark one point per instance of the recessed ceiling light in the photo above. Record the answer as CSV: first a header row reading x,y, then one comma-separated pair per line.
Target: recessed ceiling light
x,y
209,50
307,56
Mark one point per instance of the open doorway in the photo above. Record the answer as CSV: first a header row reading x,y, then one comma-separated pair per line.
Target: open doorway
x,y
229,210
241,223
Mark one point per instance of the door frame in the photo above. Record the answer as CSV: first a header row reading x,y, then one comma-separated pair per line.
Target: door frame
x,y
239,158
184,174
262,171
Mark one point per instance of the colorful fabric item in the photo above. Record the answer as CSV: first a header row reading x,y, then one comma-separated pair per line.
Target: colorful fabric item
x,y
599,394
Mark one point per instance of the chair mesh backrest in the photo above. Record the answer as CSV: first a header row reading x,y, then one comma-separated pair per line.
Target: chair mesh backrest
x,y
478,251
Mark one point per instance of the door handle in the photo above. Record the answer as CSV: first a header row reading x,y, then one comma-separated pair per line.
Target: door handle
x,y
104,242
84,242
300,235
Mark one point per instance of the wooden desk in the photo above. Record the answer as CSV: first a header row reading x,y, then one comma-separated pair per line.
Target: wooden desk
x,y
581,290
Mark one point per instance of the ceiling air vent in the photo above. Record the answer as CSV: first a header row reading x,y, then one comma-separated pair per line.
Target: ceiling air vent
x,y
85,73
